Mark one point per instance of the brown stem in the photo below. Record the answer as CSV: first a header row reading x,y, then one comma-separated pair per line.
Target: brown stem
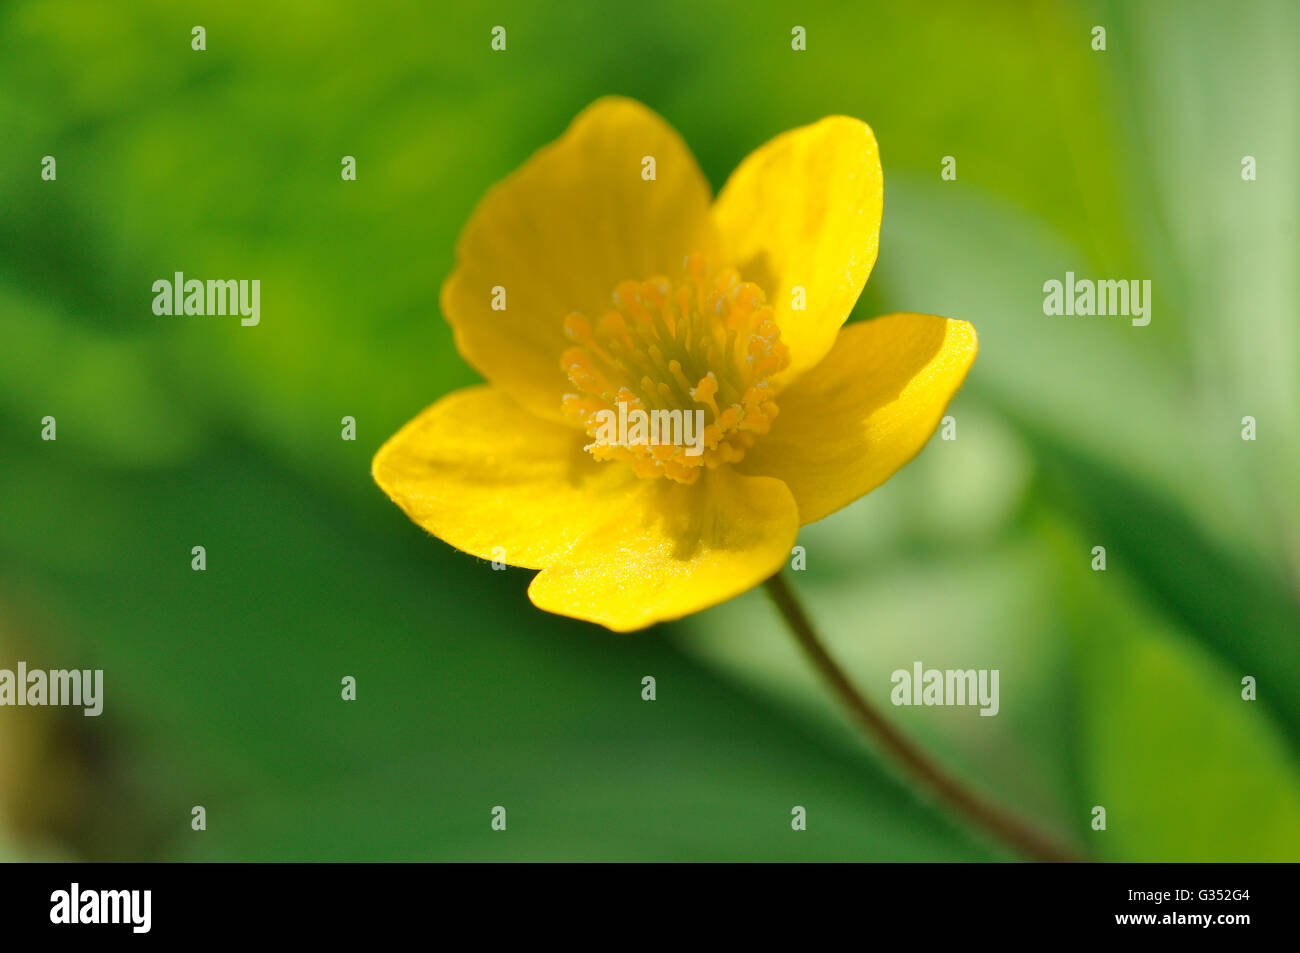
x,y
1004,826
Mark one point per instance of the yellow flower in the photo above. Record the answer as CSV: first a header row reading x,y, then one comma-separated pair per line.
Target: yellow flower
x,y
601,278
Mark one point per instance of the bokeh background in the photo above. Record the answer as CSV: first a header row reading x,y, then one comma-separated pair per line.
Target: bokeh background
x,y
1120,689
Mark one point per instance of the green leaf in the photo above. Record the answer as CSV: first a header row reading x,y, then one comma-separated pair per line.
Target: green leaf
x,y
1186,769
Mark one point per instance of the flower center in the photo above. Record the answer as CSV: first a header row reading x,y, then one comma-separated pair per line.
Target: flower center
x,y
676,376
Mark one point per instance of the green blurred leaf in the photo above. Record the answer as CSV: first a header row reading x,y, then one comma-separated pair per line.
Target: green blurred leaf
x,y
1186,769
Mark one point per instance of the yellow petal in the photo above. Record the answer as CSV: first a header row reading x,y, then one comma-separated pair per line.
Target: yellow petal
x,y
481,473
803,211
560,232
850,423
679,550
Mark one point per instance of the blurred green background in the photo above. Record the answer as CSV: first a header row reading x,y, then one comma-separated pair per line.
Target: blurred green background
x,y
1120,689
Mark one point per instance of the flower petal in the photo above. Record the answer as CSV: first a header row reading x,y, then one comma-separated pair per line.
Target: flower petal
x,y
804,211
481,473
850,423
679,550
560,232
